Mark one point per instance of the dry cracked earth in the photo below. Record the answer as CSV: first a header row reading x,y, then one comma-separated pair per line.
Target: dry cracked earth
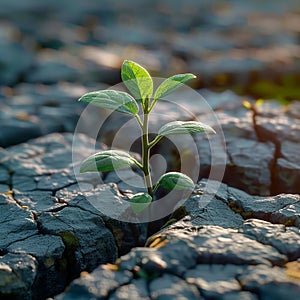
x,y
239,239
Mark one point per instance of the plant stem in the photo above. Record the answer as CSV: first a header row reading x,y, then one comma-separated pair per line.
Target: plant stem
x,y
155,141
139,121
146,150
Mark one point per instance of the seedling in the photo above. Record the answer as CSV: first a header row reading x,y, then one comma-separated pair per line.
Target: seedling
x,y
140,85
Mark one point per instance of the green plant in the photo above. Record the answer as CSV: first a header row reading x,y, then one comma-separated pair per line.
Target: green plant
x,y
140,84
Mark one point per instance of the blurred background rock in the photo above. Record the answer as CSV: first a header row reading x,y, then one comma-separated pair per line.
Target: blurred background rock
x,y
251,47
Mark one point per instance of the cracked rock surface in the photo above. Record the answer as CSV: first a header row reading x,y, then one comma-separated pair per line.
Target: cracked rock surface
x,y
213,253
237,240
49,230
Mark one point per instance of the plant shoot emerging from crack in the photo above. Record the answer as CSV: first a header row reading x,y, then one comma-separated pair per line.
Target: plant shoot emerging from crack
x,y
140,85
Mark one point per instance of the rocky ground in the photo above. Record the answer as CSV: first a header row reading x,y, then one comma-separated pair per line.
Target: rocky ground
x,y
235,240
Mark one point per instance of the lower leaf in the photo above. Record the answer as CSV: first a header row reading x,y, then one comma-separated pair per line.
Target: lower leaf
x,y
140,201
108,160
175,181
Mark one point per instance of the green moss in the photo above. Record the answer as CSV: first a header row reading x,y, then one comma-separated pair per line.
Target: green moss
x,y
179,213
287,88
70,240
289,222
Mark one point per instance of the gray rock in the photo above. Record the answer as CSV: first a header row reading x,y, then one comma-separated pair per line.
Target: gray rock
x,y
289,215
15,131
215,212
38,201
212,156
288,174
243,170
34,111
106,202
231,67
49,208
294,109
250,166
23,183
44,164
226,100
137,289
265,208
4,188
209,261
285,239
45,248
268,284
50,72
237,123
269,108
83,233
48,250
17,275
17,222
239,296
15,61
4,176
282,209
214,281
288,168
278,129
175,258
87,285
217,245
172,287
289,150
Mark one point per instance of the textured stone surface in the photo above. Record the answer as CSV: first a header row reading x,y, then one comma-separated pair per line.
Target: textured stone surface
x,y
137,289
282,208
218,263
17,222
213,253
268,283
48,62
36,110
285,239
46,215
278,129
215,212
17,275
248,171
88,284
288,171
214,281
172,287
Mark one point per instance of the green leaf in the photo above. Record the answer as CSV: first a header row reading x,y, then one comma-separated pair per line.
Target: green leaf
x,y
137,80
114,100
140,201
175,181
180,127
169,85
108,160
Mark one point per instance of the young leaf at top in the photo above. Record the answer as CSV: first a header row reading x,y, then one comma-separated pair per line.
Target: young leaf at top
x,y
140,201
175,181
137,80
180,127
114,100
172,83
108,160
